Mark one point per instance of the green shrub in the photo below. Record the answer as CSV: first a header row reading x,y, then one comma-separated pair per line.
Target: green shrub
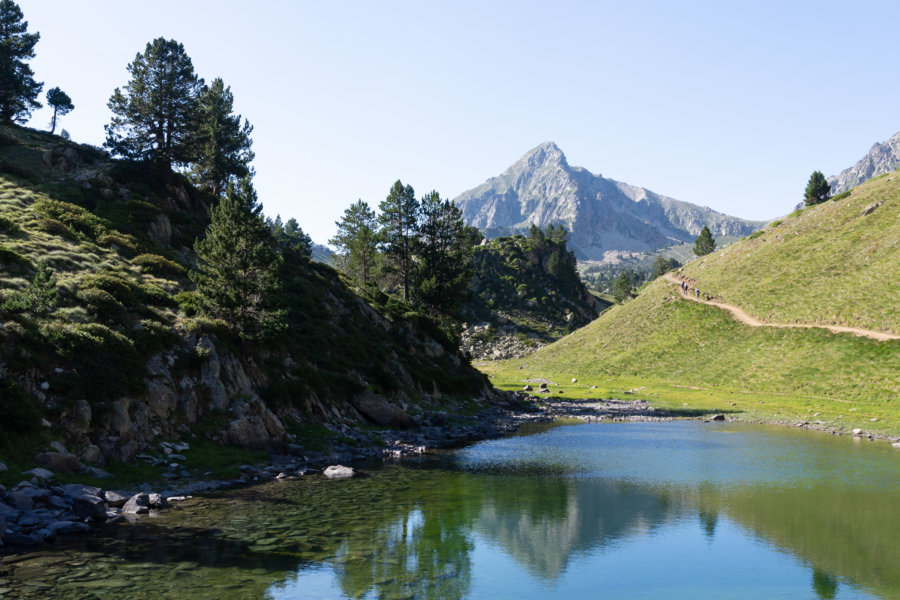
x,y
152,336
15,302
12,258
18,171
755,235
104,364
54,227
125,243
101,303
776,223
842,195
86,225
205,325
188,303
117,285
159,265
8,226
153,294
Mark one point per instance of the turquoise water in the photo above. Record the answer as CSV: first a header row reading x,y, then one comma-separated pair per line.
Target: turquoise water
x,y
609,510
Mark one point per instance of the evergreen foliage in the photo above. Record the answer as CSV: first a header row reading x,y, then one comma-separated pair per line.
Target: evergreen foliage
x,y
623,289
222,143
61,103
237,266
39,297
357,242
399,227
662,265
444,268
155,118
704,244
817,190
18,89
290,237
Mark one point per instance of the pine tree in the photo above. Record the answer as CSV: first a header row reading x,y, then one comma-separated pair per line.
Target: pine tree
x,y
357,242
623,289
61,103
237,266
18,89
817,190
444,268
41,291
399,226
704,244
222,143
155,118
290,238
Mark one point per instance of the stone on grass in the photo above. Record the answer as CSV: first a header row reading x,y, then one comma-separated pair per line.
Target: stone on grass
x,y
3,468
857,431
717,418
339,472
19,501
58,463
528,388
896,445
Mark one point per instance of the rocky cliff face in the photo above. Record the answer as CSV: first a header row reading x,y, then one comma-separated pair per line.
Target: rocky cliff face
x,y
600,214
884,157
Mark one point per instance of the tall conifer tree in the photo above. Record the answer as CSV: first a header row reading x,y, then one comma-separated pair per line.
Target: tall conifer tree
x,y
237,266
357,241
704,244
155,117
399,220
18,89
445,269
222,142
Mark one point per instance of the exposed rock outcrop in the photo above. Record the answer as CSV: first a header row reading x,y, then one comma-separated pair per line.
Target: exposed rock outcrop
x,y
600,214
882,158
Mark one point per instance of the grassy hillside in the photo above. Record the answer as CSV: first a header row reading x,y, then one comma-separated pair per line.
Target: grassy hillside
x,y
827,264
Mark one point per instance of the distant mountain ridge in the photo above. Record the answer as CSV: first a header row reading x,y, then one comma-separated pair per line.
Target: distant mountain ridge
x,y
883,157
600,214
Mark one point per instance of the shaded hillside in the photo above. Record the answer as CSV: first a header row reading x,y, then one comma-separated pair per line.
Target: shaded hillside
x,y
124,358
882,158
600,214
526,292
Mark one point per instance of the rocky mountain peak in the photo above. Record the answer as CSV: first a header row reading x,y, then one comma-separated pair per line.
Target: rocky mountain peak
x,y
546,154
882,158
600,214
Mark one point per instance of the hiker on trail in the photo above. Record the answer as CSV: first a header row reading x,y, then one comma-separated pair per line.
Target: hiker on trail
x,y
698,293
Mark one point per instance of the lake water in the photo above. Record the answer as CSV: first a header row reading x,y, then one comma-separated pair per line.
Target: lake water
x,y
609,510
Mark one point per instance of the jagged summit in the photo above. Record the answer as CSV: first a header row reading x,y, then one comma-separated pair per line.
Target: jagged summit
x,y
601,214
884,157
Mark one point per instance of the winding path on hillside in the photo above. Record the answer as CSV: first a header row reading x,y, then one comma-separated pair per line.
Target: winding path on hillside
x,y
746,319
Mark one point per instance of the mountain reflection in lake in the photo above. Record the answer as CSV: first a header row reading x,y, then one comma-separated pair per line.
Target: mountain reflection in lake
x,y
643,510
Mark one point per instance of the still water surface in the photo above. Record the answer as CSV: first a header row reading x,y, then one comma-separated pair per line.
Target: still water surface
x,y
638,510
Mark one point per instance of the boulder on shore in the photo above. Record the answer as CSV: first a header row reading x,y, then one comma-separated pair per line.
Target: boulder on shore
x,y
339,472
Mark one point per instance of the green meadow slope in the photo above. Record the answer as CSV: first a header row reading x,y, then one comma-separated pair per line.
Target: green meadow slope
x,y
828,264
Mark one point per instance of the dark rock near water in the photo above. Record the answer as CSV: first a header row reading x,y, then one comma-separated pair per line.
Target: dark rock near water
x,y
382,413
19,501
138,504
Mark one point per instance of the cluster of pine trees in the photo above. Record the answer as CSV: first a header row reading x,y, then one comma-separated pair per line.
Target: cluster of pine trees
x,y
420,248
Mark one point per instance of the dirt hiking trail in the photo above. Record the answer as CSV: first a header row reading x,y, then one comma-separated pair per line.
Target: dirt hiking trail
x,y
746,319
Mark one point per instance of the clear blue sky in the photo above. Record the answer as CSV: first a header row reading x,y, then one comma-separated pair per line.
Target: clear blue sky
x,y
726,104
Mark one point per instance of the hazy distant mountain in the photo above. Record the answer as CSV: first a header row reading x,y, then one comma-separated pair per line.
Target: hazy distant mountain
x,y
600,214
884,157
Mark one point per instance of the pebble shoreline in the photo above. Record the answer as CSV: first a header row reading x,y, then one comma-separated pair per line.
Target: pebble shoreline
x,y
41,510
